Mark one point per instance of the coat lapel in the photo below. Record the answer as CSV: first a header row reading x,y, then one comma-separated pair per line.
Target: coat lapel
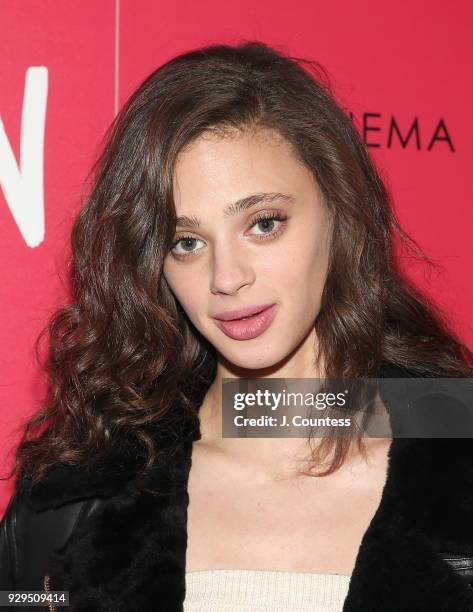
x,y
426,509
130,555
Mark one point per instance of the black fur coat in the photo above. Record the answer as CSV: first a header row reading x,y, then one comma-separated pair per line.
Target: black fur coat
x,y
131,555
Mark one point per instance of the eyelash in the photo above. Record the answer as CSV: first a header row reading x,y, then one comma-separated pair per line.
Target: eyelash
x,y
264,216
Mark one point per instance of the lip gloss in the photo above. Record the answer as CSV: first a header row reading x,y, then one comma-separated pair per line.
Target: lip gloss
x,y
248,328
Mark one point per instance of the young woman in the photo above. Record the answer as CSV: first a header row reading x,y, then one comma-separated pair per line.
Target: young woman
x,y
232,186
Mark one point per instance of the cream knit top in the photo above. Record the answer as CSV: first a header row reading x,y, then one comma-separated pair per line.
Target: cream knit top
x,y
236,590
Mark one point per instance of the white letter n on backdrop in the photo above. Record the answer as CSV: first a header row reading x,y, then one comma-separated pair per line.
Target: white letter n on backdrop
x,y
23,184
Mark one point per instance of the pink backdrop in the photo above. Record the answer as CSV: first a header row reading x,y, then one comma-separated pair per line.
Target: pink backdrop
x,y
65,67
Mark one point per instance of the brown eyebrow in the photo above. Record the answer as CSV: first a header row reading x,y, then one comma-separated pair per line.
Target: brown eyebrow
x,y
235,207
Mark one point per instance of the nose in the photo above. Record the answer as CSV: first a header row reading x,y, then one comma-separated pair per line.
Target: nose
x,y
232,268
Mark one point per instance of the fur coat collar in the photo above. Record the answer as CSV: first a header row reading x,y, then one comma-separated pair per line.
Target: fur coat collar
x,y
130,555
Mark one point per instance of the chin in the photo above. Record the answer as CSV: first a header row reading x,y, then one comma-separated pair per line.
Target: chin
x,y
254,358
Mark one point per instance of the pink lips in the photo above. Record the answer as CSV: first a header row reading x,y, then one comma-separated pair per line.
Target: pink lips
x,y
230,315
249,328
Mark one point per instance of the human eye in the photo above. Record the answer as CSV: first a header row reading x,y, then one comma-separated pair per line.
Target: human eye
x,y
266,220
187,244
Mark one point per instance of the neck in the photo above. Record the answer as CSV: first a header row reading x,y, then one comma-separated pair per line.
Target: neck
x,y
267,459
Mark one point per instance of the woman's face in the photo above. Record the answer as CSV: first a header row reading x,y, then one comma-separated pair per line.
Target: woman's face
x,y
231,260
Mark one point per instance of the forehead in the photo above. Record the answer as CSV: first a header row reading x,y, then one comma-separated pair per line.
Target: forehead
x,y
222,168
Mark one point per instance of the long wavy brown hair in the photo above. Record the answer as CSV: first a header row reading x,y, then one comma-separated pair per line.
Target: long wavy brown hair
x,y
123,354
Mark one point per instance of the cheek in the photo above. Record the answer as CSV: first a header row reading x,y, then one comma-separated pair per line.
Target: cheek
x,y
300,277
298,265
185,287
